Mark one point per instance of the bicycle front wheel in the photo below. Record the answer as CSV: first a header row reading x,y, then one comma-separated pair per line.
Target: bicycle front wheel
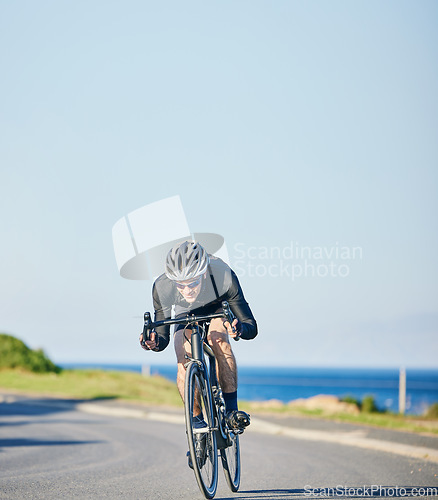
x,y
202,441
231,462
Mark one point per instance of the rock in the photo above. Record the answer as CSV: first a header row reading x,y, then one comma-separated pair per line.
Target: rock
x,y
325,402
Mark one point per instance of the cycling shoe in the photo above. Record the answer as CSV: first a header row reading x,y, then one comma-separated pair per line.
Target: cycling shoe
x,y
238,420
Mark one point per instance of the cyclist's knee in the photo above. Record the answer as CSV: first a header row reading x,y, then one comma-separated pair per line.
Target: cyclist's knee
x,y
219,341
217,326
217,337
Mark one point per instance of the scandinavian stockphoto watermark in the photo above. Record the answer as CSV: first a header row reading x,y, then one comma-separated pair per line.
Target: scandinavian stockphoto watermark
x,y
295,260
370,491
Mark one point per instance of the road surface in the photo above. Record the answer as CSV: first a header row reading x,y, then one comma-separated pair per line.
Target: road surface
x,y
56,452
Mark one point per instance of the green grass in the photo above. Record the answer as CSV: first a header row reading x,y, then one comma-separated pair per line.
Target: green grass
x,y
382,420
91,384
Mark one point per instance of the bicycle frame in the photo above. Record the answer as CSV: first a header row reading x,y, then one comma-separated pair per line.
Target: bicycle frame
x,y
218,402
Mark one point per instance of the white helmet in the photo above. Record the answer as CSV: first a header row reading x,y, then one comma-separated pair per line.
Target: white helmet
x,y
186,261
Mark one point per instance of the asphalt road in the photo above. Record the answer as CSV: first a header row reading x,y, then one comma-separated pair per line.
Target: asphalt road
x,y
49,452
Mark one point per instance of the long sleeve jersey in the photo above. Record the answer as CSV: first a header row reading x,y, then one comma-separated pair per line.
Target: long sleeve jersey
x,y
220,283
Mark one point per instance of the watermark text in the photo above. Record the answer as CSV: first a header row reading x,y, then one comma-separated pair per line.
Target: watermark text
x,y
370,491
295,261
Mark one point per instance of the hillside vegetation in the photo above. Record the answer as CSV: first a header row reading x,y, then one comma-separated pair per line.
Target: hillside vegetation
x,y
93,384
15,354
31,371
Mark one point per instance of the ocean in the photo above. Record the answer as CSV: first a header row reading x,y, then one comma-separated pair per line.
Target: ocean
x,y
286,384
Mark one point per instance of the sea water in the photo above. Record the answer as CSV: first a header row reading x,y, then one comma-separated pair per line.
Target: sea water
x,y
286,384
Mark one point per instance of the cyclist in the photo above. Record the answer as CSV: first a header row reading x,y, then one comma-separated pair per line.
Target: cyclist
x,y
195,282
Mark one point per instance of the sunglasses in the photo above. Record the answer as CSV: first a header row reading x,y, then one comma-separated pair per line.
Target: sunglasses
x,y
191,285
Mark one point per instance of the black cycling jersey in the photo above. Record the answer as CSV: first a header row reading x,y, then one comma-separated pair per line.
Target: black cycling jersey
x,y
219,283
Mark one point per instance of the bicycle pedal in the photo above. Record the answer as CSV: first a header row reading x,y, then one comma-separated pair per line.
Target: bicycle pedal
x,y
237,432
238,420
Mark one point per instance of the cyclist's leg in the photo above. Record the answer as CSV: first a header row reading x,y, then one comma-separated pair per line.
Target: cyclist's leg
x,y
182,347
180,343
226,362
227,372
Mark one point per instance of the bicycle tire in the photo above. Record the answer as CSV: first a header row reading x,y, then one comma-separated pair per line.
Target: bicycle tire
x,y
231,462
205,465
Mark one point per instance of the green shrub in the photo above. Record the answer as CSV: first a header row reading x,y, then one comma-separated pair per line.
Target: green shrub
x,y
432,411
368,405
15,354
350,399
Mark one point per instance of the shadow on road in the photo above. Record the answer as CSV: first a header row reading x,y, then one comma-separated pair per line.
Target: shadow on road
x,y
340,492
13,442
21,407
18,411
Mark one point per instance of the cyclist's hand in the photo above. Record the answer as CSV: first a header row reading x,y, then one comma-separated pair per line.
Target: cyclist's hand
x,y
149,345
235,326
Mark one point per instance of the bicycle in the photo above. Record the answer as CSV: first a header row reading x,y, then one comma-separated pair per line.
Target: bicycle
x,y
202,391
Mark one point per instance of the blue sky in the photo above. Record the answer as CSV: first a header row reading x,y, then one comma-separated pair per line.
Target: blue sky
x,y
277,123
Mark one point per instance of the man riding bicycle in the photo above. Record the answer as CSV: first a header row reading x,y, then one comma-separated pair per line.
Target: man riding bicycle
x,y
195,282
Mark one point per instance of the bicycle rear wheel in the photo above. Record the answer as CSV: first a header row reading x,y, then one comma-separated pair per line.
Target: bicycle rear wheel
x,y
202,441
231,462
